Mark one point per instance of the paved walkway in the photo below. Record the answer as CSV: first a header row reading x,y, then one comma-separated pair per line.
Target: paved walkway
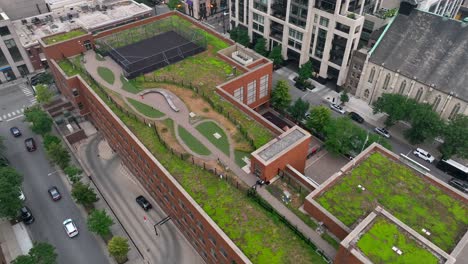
x,y
182,118
14,240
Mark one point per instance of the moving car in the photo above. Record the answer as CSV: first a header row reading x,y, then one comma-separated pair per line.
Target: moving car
x,y
459,184
421,153
15,131
26,215
337,108
70,228
356,117
54,193
143,203
382,131
30,144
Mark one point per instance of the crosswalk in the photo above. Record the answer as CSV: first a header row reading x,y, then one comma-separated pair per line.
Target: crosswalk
x,y
28,92
12,115
5,117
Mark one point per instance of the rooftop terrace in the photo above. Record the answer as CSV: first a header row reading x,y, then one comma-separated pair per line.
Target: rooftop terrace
x,y
380,181
89,18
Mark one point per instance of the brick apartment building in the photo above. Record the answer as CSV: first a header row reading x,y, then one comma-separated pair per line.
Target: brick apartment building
x,y
248,91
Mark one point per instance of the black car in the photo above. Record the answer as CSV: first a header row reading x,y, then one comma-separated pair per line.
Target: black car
x,y
15,131
458,184
54,193
356,117
30,144
26,215
143,203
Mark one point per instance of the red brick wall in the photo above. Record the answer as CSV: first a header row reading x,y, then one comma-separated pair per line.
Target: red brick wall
x,y
185,213
33,53
331,225
67,49
343,256
296,157
301,180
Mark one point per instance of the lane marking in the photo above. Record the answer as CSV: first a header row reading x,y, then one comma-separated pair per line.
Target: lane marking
x,y
18,111
9,115
14,118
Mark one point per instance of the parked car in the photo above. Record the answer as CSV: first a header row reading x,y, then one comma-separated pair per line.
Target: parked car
x,y
15,131
459,184
54,193
337,108
30,144
382,131
143,203
26,215
356,117
70,228
421,153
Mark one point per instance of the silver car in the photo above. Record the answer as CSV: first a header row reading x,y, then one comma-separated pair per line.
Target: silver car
x,y
382,131
337,108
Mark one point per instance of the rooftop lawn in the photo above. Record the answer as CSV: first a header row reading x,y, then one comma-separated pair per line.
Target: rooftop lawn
x,y
209,128
400,191
63,36
145,109
378,241
192,142
262,237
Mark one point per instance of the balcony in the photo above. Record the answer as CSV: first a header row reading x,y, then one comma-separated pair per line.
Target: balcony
x,y
326,5
278,9
276,31
261,5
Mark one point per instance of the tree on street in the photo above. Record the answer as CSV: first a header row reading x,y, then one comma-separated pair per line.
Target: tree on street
x,y
43,94
396,106
455,135
425,124
320,116
280,97
344,97
99,222
10,183
41,122
84,194
58,154
40,253
260,47
118,248
276,56
49,139
305,71
299,109
73,173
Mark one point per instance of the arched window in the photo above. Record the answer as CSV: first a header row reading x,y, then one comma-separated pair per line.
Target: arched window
x,y
366,93
402,87
419,94
371,75
436,103
455,111
386,82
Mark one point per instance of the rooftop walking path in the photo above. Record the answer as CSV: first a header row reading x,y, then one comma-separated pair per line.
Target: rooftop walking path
x,y
182,118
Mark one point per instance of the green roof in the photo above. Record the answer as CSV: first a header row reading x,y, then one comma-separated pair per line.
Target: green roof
x,y
63,36
378,242
401,191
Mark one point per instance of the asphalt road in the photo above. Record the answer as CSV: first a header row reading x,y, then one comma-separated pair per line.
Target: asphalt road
x,y
38,176
120,190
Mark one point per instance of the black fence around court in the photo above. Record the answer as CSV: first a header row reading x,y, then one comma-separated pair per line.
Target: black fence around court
x,y
189,43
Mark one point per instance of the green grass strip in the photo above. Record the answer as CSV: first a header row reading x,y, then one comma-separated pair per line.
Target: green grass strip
x,y
106,74
192,142
63,36
239,155
145,109
128,86
208,129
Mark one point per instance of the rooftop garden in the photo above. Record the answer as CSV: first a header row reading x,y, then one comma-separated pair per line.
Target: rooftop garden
x,y
259,234
64,36
403,193
378,241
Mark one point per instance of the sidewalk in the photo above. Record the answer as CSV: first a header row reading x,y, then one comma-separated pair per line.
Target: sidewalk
x,y
14,240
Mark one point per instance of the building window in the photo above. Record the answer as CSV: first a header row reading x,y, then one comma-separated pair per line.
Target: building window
x,y
264,86
419,94
402,87
258,27
436,103
4,31
366,93
80,105
212,239
324,21
455,111
239,94
258,18
13,49
213,253
251,92
295,34
371,75
386,82
223,252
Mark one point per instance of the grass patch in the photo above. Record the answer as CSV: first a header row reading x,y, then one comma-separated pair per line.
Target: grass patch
x,y
378,241
330,240
403,193
63,36
192,142
128,86
208,129
239,155
106,74
145,109
170,125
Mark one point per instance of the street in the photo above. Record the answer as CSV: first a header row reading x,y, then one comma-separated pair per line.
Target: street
x,y
120,189
39,175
